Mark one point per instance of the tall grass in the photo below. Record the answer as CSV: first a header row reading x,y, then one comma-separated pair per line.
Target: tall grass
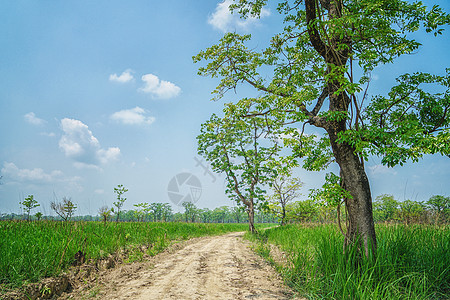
x,y
412,262
30,251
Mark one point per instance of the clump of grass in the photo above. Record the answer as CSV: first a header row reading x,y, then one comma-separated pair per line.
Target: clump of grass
x,y
30,251
412,262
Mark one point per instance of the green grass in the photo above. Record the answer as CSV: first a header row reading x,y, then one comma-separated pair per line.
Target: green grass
x,y
412,262
30,251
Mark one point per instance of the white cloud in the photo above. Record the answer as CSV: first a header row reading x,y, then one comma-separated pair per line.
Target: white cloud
x,y
80,144
159,88
134,116
223,20
108,155
382,170
126,76
32,119
11,171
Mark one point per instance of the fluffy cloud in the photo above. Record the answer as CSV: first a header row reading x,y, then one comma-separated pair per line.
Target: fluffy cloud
x,y
159,88
11,171
32,119
134,116
126,76
223,20
80,144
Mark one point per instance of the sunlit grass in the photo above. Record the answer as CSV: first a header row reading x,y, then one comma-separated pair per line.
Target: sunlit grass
x,y
30,251
412,262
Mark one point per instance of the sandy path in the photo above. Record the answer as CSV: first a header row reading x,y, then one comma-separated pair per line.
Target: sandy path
x,y
220,267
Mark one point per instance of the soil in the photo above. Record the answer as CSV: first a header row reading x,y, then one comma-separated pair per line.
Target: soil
x,y
219,267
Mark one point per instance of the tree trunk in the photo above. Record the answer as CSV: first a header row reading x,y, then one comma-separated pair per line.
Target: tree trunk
x,y
283,214
251,218
361,227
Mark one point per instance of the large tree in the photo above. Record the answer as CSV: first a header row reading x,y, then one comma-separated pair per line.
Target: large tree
x,y
313,80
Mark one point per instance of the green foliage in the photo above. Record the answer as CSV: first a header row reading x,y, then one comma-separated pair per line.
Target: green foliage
x,y
411,263
370,33
105,213
38,215
30,251
190,211
119,191
440,207
302,211
285,190
246,151
332,193
316,59
413,120
142,209
412,211
386,208
64,209
436,210
28,204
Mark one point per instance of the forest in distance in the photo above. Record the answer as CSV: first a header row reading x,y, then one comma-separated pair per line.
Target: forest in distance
x,y
279,208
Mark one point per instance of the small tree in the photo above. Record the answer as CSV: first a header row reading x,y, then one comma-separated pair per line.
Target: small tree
x,y
386,208
440,206
190,211
411,211
166,212
119,191
105,213
246,151
38,215
64,209
237,213
206,215
302,211
160,211
28,204
220,214
285,189
142,210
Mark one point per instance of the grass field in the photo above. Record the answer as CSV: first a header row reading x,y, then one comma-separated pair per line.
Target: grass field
x,y
30,251
412,262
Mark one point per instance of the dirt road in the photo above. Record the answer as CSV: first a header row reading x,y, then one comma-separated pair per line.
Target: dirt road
x,y
220,267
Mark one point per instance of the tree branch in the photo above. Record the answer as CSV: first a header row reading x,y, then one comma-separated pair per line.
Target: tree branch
x,y
320,101
314,36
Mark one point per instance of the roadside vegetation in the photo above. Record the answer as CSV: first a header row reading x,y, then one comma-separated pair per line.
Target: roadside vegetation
x,y
411,262
30,251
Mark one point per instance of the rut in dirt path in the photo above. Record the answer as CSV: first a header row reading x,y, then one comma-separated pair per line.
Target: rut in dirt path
x,y
220,267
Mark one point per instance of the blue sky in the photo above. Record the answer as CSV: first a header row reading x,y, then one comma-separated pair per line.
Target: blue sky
x,y
100,93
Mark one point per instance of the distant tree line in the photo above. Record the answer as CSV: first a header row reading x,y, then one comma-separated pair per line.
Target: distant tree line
x,y
143,212
385,209
279,207
435,210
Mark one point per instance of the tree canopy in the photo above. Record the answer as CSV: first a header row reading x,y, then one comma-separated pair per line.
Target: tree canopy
x,y
315,72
